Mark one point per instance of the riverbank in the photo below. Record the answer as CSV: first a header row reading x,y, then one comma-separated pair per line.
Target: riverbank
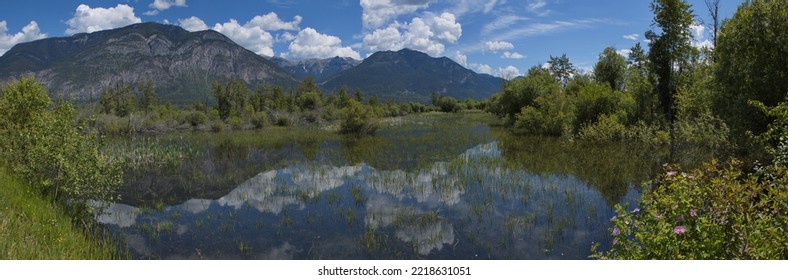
x,y
33,228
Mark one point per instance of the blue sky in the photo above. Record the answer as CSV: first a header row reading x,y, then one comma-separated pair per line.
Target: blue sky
x,y
498,37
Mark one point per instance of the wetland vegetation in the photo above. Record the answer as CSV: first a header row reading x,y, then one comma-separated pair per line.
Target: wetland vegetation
x,y
535,172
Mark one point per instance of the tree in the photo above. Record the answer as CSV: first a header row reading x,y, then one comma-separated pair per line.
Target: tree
x,y
520,93
611,69
561,69
306,86
714,25
637,58
230,98
118,100
344,97
670,49
751,64
358,95
147,96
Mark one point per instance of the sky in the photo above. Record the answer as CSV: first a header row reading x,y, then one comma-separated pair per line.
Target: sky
x,y
499,37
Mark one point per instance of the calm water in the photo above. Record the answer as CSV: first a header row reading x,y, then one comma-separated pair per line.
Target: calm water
x,y
436,187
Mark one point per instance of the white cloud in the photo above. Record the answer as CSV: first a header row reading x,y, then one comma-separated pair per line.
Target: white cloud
x,y
496,46
376,13
624,52
512,55
192,24
633,37
311,44
535,5
461,59
446,27
482,68
699,36
544,28
501,22
162,5
427,35
253,35
87,19
489,6
271,22
253,38
29,33
508,73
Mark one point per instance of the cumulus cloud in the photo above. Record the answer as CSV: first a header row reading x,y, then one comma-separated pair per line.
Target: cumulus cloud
x,y
272,22
633,37
253,38
87,19
429,34
512,55
482,68
508,73
253,35
162,5
496,46
624,52
376,13
192,24
698,36
29,33
461,59
309,43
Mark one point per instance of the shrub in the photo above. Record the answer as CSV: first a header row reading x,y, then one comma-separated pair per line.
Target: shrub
x,y
259,119
713,212
596,100
551,115
54,155
197,118
357,119
111,124
236,123
606,129
217,126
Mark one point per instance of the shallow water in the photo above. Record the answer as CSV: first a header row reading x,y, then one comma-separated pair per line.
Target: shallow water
x,y
446,187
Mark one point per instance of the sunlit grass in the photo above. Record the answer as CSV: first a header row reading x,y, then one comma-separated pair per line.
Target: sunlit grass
x,y
32,228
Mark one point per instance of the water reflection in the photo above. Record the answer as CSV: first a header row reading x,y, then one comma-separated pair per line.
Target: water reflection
x,y
476,205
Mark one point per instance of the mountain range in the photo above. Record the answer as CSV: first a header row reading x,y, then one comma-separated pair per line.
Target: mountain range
x,y
183,65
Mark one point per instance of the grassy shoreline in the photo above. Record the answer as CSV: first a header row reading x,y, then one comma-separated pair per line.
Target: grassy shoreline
x,y
33,228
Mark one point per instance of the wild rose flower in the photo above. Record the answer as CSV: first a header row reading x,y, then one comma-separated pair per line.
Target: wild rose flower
x,y
659,217
693,213
616,231
679,230
671,173
680,218
615,240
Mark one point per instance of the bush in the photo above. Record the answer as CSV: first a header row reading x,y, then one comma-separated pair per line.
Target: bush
x,y
236,123
713,212
551,115
596,100
197,118
259,119
357,120
53,154
217,126
111,124
606,129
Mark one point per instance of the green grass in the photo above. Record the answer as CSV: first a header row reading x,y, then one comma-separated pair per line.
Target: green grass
x,y
33,228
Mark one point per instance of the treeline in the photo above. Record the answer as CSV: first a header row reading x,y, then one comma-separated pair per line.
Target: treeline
x,y
674,92
124,109
733,93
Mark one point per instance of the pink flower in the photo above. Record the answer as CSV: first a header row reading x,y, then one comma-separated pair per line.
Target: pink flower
x,y
616,231
671,173
693,213
615,240
680,218
659,217
679,230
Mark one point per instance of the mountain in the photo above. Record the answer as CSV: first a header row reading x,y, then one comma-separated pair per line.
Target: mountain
x,y
320,69
409,75
182,64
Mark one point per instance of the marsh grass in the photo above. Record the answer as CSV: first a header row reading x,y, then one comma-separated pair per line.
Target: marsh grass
x,y
32,228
